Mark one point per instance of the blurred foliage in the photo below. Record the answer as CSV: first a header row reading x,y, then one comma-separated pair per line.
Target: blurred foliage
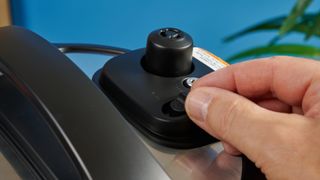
x,y
297,21
281,49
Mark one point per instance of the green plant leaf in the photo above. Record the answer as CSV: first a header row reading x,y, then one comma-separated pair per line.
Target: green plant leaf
x,y
274,24
281,49
315,27
296,12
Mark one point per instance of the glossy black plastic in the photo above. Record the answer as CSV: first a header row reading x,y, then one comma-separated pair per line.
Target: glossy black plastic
x,y
142,98
59,120
168,53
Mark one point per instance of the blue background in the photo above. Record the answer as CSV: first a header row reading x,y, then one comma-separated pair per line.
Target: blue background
x,y
127,23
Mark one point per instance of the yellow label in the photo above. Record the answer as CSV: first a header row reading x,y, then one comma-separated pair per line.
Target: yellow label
x,y
209,59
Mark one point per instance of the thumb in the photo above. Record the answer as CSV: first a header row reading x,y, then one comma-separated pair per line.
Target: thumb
x,y
236,120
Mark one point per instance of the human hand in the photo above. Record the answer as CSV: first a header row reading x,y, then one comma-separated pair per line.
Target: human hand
x,y
267,109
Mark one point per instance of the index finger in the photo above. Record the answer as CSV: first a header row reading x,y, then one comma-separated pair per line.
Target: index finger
x,y
286,78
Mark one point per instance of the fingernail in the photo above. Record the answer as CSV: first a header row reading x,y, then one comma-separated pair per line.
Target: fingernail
x,y
197,104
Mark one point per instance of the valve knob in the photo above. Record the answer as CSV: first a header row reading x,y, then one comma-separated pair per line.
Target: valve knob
x,y
168,53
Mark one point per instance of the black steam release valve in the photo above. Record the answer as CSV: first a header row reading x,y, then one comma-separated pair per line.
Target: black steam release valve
x,y
149,87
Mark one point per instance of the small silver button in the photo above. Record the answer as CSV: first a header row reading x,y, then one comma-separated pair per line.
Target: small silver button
x,y
187,82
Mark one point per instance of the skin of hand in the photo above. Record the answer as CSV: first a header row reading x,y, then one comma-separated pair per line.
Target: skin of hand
x,y
267,109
